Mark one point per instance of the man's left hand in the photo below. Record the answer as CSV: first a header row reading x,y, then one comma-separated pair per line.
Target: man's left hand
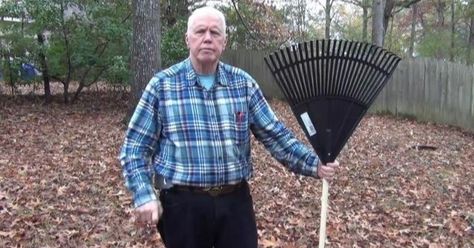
x,y
328,170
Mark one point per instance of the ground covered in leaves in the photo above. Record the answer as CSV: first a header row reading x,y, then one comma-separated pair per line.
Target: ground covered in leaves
x,y
403,183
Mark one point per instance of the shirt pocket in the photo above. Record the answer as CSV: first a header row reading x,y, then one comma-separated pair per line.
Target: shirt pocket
x,y
241,127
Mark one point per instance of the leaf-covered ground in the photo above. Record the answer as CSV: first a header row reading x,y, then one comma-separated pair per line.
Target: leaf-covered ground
x,y
403,183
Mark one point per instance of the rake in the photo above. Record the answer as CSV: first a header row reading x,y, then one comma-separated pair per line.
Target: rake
x,y
330,84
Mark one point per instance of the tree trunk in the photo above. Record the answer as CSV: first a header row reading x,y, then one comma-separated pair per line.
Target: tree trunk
x,y
83,84
327,30
440,6
377,22
470,55
300,11
146,59
365,20
411,50
453,30
10,73
44,70
173,10
99,50
387,13
65,32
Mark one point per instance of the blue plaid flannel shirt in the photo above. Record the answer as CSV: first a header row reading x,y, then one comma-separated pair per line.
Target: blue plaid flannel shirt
x,y
198,137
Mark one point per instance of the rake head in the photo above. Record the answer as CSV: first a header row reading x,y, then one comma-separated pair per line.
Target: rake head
x,y
330,84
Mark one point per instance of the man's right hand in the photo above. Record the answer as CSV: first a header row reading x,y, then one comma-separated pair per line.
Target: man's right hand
x,y
148,213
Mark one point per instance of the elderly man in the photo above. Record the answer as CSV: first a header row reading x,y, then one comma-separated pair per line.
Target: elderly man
x,y
193,123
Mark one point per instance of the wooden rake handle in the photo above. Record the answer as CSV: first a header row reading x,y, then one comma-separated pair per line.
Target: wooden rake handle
x,y
325,198
324,214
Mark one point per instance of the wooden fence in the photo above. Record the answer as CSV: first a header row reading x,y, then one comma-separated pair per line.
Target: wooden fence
x,y
428,90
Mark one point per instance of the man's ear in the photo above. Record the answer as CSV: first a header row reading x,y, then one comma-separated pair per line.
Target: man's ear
x,y
186,40
225,43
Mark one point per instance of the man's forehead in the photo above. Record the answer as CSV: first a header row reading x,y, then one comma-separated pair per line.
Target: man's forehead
x,y
207,25
207,18
202,23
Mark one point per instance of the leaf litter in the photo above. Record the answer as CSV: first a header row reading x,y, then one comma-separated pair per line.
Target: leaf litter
x,y
403,183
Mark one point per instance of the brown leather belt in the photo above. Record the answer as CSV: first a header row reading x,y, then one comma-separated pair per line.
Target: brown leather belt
x,y
212,191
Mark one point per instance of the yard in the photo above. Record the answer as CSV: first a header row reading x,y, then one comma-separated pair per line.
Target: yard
x,y
403,183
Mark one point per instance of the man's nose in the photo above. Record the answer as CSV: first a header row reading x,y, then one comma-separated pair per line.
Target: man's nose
x,y
207,36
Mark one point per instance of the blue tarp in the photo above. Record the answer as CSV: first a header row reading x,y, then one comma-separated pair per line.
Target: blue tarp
x,y
28,71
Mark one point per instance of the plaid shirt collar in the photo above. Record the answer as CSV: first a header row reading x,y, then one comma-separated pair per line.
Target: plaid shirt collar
x,y
192,78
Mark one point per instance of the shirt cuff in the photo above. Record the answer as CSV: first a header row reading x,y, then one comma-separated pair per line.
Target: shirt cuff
x,y
143,196
311,169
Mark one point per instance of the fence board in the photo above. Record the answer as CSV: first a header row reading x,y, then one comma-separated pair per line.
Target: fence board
x,y
471,79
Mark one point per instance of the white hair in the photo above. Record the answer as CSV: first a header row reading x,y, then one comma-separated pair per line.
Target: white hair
x,y
206,11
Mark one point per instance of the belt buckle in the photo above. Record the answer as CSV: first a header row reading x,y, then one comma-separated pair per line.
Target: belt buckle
x,y
213,191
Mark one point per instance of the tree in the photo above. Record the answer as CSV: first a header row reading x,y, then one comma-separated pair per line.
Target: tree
x,y
101,41
16,47
470,59
378,29
44,66
411,50
365,5
470,43
327,10
174,11
440,37
146,59
295,13
71,40
174,24
256,25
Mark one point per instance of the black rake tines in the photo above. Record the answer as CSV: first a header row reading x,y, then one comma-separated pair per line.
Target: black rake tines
x,y
332,68
330,84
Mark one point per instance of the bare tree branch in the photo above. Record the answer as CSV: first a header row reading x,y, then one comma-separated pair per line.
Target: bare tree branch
x,y
259,39
404,5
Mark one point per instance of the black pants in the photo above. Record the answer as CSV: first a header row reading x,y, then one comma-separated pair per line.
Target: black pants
x,y
196,220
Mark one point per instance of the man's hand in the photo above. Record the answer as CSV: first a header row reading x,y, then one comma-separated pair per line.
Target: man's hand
x,y
148,214
328,170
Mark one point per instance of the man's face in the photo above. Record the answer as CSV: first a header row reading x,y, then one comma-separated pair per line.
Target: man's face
x,y
206,40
